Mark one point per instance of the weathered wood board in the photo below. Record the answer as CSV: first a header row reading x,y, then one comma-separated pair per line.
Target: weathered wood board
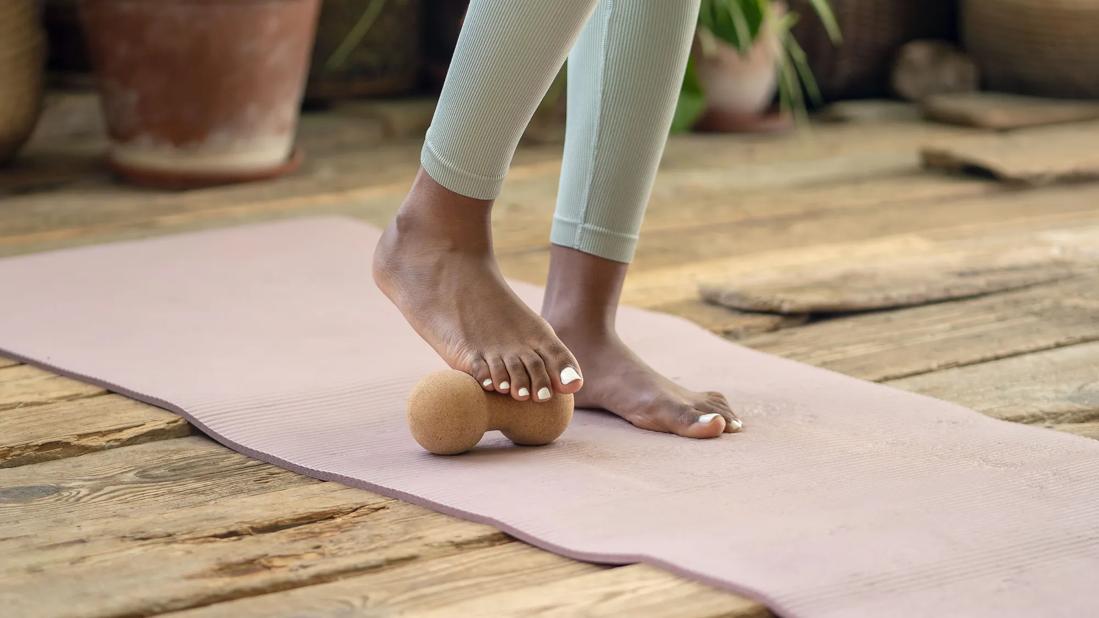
x,y
1034,156
1002,111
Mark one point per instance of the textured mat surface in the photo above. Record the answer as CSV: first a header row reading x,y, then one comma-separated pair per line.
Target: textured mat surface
x,y
840,498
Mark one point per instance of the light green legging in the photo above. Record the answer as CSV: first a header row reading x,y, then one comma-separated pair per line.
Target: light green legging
x,y
624,74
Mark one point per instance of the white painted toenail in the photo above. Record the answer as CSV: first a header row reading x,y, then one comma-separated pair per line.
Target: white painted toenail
x,y
706,419
505,385
736,424
569,375
487,383
543,394
523,392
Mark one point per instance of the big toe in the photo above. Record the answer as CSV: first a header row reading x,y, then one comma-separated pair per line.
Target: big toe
x,y
562,368
693,423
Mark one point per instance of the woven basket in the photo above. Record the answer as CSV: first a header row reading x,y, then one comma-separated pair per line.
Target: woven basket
x,y
873,31
386,61
1043,47
22,55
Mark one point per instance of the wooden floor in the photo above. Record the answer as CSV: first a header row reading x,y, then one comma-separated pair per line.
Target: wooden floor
x,y
111,507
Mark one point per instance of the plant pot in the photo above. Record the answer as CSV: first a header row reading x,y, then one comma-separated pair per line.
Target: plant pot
x,y
22,55
1041,47
384,54
200,92
739,88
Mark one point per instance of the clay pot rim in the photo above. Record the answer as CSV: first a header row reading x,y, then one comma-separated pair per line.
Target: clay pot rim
x,y
166,179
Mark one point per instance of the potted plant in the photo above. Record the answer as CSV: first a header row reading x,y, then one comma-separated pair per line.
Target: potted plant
x,y
200,92
744,53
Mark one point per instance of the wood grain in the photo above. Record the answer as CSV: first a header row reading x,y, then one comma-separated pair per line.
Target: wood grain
x,y
33,434
1033,156
435,583
238,546
908,342
1059,386
1001,111
58,496
23,386
638,590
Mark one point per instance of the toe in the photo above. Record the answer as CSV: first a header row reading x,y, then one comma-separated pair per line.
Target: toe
x,y
540,386
732,422
716,402
520,380
563,370
693,423
479,370
500,379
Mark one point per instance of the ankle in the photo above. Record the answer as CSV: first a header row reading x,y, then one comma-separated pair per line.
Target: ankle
x,y
579,324
434,217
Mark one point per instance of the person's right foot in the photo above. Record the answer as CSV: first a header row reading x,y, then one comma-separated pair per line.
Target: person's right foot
x,y
435,263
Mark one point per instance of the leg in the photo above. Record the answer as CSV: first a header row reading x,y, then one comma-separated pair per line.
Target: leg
x,y
435,260
624,78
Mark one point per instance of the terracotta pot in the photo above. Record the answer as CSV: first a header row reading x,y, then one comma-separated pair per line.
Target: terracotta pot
x,y
200,92
22,55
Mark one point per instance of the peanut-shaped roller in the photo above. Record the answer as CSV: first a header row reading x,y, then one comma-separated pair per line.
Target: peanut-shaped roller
x,y
448,413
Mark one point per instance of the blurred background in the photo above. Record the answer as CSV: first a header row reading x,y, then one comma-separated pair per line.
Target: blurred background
x,y
180,75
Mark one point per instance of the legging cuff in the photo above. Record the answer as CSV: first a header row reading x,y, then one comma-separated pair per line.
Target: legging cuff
x,y
456,179
593,239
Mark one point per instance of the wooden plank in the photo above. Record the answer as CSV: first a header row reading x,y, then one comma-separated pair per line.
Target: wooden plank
x,y
908,342
22,386
684,199
1058,386
902,281
729,322
33,434
1001,111
1087,430
422,585
217,551
1032,156
684,247
167,474
635,590
1070,237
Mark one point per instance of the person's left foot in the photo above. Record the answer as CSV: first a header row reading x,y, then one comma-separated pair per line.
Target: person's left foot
x,y
617,380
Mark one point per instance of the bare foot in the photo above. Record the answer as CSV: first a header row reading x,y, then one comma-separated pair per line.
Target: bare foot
x,y
581,302
435,263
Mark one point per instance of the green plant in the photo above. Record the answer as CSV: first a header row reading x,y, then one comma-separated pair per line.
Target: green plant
x,y
739,24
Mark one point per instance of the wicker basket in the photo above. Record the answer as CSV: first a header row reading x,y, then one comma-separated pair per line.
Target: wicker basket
x,y
22,55
873,31
385,62
1043,47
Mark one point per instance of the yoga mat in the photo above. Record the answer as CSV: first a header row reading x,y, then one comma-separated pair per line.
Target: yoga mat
x,y
840,498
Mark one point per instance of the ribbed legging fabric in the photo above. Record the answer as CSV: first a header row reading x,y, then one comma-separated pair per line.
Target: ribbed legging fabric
x,y
624,74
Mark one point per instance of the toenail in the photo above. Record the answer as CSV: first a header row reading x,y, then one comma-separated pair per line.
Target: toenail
x,y
543,394
736,424
487,383
504,385
569,375
706,419
523,392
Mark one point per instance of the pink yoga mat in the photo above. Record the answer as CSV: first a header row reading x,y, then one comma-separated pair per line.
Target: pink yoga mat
x,y
841,498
